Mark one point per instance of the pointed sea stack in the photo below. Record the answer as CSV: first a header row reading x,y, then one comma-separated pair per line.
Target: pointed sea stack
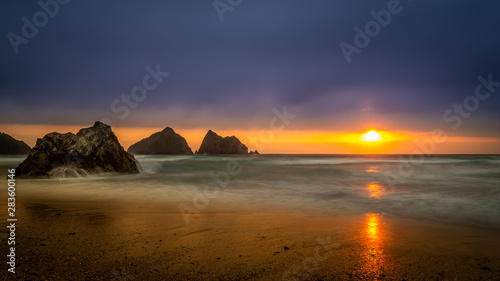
x,y
164,142
215,144
92,150
11,146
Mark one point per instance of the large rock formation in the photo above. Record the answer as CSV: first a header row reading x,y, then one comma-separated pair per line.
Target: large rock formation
x,y
215,144
164,142
11,146
91,150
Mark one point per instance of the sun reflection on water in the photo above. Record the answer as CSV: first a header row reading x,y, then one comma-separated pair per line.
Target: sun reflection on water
x,y
375,190
372,226
374,242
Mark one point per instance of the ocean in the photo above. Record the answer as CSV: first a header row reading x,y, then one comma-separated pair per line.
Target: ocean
x,y
456,189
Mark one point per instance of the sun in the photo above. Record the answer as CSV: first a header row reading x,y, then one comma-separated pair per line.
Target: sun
x,y
371,136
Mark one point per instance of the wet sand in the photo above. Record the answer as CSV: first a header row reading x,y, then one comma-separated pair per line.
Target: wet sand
x,y
114,240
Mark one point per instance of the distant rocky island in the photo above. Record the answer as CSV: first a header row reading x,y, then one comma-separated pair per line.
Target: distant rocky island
x,y
11,146
214,144
91,150
164,142
97,150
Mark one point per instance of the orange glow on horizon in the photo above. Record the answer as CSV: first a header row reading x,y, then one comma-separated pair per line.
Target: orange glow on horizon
x,y
291,142
364,138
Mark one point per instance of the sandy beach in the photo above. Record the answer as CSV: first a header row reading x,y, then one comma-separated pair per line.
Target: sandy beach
x,y
250,140
113,240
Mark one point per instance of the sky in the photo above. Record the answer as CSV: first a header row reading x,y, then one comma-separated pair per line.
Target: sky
x,y
230,65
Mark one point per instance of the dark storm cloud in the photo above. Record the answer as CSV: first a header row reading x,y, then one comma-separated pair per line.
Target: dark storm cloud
x,y
264,54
